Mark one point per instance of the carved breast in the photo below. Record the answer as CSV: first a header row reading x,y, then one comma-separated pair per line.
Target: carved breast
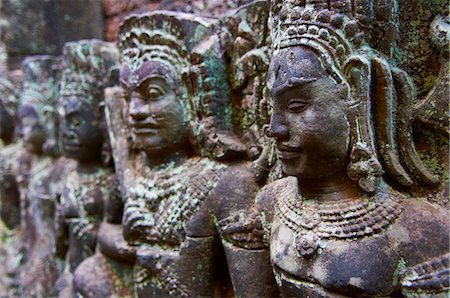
x,y
358,247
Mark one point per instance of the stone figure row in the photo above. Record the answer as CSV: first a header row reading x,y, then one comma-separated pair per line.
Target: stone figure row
x,y
271,152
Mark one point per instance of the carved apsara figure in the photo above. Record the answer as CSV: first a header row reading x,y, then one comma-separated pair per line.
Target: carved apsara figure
x,y
89,190
37,100
38,127
175,97
341,121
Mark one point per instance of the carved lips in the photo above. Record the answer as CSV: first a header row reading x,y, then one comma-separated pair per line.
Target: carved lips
x,y
144,128
287,152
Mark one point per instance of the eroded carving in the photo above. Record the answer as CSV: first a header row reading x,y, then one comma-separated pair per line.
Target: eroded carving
x,y
342,122
361,213
90,191
39,130
9,196
175,105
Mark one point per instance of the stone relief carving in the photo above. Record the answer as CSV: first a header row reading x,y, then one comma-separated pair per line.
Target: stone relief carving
x,y
38,127
341,119
286,148
90,191
37,101
175,85
9,196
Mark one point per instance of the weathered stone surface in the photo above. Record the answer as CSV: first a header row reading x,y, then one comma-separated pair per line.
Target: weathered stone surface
x,y
47,25
89,192
342,120
293,148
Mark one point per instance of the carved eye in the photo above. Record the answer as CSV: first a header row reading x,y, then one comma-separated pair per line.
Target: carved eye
x,y
297,106
154,92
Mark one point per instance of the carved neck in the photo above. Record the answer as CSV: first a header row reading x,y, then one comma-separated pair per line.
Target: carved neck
x,y
89,166
334,188
160,159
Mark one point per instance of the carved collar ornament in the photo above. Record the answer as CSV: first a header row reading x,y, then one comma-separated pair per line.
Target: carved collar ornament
x,y
173,194
89,67
351,219
7,158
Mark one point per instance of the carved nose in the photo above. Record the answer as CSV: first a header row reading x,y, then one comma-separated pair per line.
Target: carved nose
x,y
276,129
139,110
69,134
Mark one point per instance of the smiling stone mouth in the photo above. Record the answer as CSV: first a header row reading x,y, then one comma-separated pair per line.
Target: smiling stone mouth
x,y
288,152
144,130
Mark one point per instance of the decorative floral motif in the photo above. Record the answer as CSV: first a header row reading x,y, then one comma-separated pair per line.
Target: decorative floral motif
x,y
364,168
307,244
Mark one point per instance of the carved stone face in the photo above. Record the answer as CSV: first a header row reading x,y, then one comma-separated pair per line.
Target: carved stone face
x,y
82,133
309,120
156,116
31,129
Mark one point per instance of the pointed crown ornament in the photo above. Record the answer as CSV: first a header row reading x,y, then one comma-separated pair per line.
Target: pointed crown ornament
x,y
89,67
329,27
40,83
163,36
189,55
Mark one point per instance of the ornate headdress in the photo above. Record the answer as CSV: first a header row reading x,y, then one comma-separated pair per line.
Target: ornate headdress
x,y
328,27
380,108
160,36
40,82
89,67
165,37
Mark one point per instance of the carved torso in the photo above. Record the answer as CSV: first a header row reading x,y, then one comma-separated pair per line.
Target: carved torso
x,y
172,197
177,227
83,200
362,246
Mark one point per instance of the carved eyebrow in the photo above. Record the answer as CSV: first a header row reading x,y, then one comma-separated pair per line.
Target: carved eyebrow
x,y
150,78
292,82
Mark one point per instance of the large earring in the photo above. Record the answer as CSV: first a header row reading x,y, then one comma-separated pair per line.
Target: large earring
x,y
364,167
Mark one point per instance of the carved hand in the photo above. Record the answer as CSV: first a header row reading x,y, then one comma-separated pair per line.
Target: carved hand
x,y
244,229
135,224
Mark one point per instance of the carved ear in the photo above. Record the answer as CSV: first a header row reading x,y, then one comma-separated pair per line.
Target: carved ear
x,y
191,77
357,71
358,74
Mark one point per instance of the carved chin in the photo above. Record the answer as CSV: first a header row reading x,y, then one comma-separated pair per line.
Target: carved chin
x,y
293,167
146,143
